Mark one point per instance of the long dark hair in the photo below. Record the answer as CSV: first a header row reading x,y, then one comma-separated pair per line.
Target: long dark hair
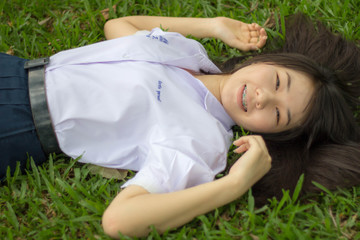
x,y
326,147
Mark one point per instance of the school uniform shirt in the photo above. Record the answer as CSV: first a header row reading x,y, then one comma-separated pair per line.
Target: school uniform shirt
x,y
128,103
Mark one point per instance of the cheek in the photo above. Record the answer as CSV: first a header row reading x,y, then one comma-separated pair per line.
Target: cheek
x,y
260,123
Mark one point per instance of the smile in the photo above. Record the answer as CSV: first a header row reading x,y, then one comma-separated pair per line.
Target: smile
x,y
241,98
244,102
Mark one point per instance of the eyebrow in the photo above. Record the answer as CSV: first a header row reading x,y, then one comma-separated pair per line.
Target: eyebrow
x,y
288,81
288,89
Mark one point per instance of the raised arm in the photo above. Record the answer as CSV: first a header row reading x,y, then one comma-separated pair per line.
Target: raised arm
x,y
234,33
134,209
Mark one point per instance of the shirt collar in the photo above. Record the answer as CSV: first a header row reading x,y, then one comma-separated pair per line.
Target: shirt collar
x,y
215,108
211,104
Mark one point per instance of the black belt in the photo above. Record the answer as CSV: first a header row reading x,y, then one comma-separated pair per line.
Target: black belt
x,y
39,107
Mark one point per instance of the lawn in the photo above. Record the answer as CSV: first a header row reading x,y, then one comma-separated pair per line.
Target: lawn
x,y
63,200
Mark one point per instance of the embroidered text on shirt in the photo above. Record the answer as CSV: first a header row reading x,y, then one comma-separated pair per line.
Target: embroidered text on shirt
x,y
158,91
160,38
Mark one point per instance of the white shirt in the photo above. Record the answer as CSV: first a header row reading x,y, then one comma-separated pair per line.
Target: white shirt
x,y
127,103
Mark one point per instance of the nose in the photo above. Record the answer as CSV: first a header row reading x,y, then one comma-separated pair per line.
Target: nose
x,y
263,98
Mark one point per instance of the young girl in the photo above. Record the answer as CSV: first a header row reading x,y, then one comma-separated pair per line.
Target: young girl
x,y
301,98
143,102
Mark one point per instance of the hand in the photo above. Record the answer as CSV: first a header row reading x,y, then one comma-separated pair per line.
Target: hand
x,y
255,162
240,35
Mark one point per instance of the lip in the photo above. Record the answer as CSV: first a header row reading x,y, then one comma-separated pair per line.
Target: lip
x,y
239,97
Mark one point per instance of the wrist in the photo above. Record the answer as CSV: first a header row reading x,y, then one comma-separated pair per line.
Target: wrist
x,y
236,184
206,28
216,26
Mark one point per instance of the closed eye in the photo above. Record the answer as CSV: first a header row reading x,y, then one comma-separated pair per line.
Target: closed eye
x,y
277,84
277,116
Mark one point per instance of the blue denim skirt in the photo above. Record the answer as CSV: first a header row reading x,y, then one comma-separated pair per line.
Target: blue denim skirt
x,y
18,139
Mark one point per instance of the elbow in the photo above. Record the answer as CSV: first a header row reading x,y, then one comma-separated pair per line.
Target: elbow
x,y
110,227
107,28
108,24
115,28
115,225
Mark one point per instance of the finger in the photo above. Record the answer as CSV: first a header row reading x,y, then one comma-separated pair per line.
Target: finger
x,y
251,27
238,141
258,37
251,140
254,40
246,35
243,139
262,32
254,27
246,46
254,34
242,148
262,41
258,27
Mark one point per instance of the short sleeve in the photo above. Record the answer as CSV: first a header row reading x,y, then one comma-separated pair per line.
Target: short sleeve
x,y
179,51
177,164
156,46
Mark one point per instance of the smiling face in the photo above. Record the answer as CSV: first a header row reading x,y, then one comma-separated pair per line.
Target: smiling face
x,y
267,98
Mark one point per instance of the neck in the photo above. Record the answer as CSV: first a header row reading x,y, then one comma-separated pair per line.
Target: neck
x,y
213,83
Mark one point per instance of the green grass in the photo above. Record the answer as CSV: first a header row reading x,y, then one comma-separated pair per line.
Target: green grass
x,y
62,200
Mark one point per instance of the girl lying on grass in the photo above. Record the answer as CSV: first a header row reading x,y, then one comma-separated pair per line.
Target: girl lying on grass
x,y
152,101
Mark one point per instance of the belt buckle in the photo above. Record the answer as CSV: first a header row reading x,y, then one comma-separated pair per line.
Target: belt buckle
x,y
36,63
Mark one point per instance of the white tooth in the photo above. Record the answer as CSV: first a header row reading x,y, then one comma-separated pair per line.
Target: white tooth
x,y
244,98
